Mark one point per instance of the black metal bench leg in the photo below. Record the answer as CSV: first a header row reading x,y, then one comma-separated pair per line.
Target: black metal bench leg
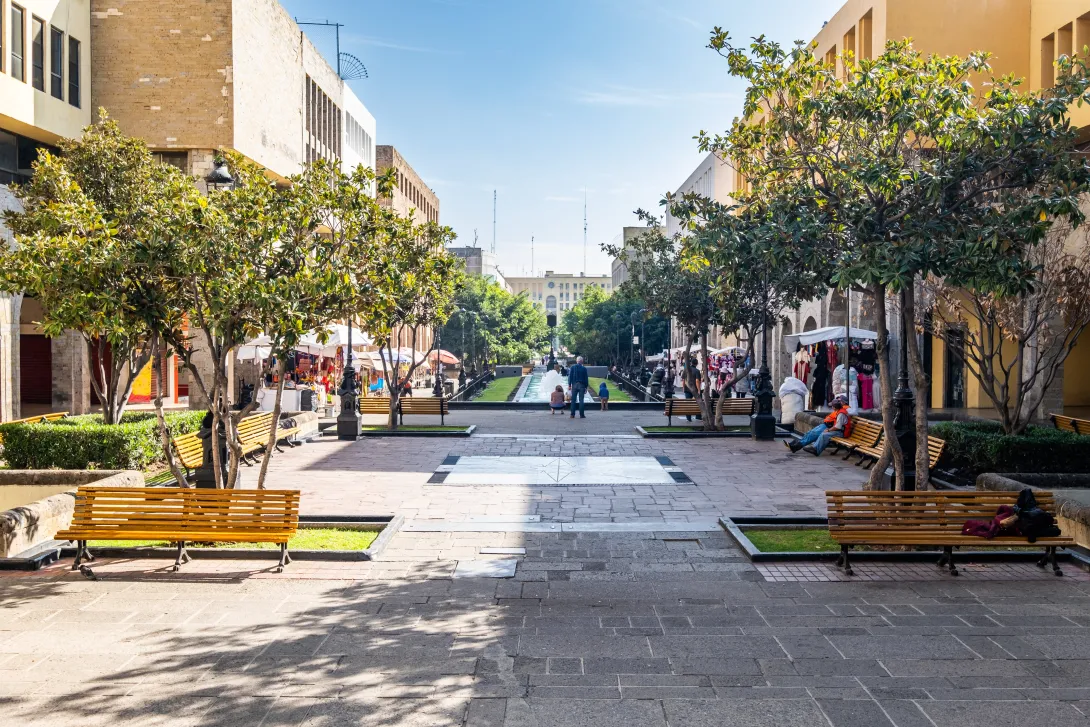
x,y
1044,558
284,558
183,556
82,554
1055,566
950,561
846,563
943,558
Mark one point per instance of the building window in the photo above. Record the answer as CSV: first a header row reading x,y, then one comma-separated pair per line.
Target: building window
x,y
18,44
177,159
37,53
56,63
73,72
1048,57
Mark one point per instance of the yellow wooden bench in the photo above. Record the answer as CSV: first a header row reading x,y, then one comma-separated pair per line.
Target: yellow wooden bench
x,y
375,405
180,515
737,407
427,405
681,407
1070,424
865,433
929,518
40,419
253,433
870,455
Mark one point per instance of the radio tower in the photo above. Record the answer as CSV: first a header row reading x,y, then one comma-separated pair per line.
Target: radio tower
x,y
584,231
493,222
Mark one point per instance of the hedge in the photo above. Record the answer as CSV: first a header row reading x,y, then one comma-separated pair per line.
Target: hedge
x,y
980,447
84,442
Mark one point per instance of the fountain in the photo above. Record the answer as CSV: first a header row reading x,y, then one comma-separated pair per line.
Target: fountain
x,y
541,386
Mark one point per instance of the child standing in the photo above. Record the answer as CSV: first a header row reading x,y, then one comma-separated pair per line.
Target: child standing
x,y
556,401
603,395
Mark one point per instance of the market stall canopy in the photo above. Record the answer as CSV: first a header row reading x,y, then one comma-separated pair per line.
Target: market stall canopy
x,y
829,333
445,357
728,349
259,348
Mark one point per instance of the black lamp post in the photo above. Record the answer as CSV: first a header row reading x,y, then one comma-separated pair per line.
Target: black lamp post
x,y
348,421
904,422
643,343
763,423
220,177
438,389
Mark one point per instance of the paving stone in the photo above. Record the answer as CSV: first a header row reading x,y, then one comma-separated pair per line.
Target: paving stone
x,y
854,713
584,645
901,647
989,714
743,713
583,713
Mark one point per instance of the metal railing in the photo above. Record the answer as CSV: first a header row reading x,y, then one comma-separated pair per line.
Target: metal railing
x,y
473,386
632,388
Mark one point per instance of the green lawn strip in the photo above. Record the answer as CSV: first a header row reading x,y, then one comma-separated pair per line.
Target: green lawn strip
x,y
306,539
783,541
500,389
615,394
817,540
413,428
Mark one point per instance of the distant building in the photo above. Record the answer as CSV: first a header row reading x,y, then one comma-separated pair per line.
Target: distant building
x,y
628,235
556,293
480,262
714,179
410,193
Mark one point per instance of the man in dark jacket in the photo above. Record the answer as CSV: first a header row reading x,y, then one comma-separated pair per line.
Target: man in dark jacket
x,y
578,383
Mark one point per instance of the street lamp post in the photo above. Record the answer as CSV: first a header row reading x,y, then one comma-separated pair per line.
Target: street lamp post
x,y
348,421
763,423
643,343
438,388
904,422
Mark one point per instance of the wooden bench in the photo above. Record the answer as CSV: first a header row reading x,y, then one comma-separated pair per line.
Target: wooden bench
x,y
737,407
40,419
375,405
180,515
929,518
681,407
865,433
189,451
430,405
1070,424
870,455
253,433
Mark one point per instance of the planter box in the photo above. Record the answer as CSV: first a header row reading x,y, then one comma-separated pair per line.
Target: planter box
x,y
38,503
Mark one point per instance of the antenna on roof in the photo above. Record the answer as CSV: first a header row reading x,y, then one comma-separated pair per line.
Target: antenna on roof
x,y
493,222
584,230
349,67
531,256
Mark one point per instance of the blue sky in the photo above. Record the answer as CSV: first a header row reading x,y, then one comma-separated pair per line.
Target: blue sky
x,y
540,100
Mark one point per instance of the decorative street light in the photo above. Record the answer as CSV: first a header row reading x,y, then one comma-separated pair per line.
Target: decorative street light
x,y
220,176
904,422
643,337
348,421
763,423
438,389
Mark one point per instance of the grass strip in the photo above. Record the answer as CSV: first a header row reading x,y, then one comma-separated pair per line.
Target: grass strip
x,y
411,428
500,389
306,539
615,394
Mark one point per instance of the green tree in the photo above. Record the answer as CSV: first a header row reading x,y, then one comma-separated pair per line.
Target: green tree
x,y
599,327
490,320
85,251
410,283
915,169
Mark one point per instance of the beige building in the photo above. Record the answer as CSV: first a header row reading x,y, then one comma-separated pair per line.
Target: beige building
x,y
556,293
410,194
45,54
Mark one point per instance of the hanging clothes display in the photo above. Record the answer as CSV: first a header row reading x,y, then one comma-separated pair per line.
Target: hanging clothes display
x,y
819,392
847,384
801,368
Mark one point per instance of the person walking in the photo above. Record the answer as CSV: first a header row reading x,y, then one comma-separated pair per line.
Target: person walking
x,y
578,383
818,438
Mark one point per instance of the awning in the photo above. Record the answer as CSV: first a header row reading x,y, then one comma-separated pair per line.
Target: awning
x,y
829,333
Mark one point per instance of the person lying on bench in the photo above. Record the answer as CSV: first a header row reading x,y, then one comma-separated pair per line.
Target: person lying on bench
x,y
818,438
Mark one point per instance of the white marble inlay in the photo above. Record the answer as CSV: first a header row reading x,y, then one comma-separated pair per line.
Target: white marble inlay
x,y
504,568
558,471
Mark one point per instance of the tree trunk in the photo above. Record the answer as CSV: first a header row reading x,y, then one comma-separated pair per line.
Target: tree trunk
x,y
164,433
270,446
920,379
391,383
891,452
705,394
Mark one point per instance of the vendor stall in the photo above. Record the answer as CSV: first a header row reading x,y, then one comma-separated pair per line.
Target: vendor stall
x,y
832,364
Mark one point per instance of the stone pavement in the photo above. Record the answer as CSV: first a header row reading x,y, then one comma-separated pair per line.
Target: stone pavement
x,y
389,475
595,630
657,628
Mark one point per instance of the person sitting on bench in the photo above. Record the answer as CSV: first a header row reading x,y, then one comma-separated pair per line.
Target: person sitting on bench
x,y
817,439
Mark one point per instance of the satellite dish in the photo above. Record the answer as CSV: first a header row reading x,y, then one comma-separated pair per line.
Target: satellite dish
x,y
352,68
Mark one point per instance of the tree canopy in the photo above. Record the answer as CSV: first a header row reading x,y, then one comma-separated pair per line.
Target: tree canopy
x,y
495,323
599,327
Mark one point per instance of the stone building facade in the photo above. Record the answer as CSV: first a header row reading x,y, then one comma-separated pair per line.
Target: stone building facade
x,y
411,193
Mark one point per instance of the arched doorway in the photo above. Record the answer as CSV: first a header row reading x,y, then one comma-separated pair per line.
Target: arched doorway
x,y
810,325
838,310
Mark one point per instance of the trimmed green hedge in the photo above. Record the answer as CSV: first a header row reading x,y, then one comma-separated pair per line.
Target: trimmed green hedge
x,y
84,442
983,447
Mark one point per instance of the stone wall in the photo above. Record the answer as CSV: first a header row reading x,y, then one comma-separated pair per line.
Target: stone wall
x,y
24,527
